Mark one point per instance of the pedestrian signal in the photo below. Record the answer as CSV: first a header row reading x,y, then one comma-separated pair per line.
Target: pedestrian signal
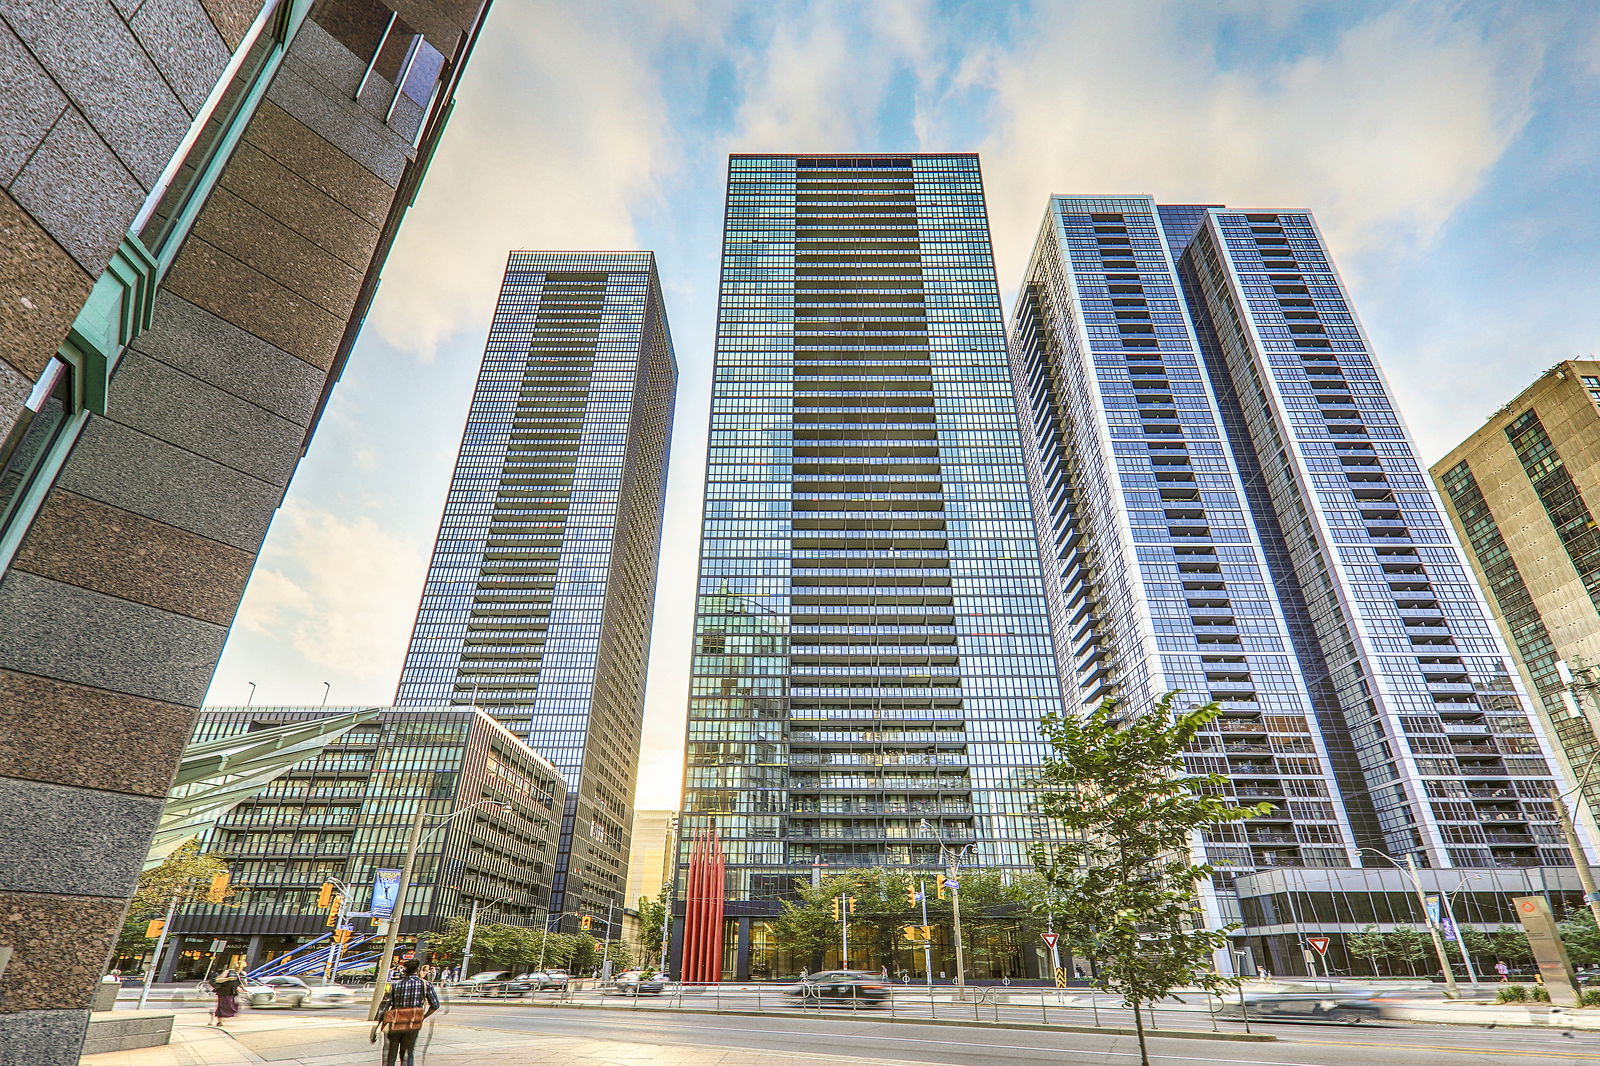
x,y
219,888
153,930
333,910
325,895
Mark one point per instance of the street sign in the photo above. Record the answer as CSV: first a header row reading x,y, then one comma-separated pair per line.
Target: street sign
x,y
218,945
1319,943
1061,977
948,882
1050,939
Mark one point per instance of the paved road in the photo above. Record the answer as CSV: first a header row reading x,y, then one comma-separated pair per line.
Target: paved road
x,y
838,1032
959,1046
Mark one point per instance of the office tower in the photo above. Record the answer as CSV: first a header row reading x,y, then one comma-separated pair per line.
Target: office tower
x,y
538,600
196,199
872,651
346,812
1519,490
1235,512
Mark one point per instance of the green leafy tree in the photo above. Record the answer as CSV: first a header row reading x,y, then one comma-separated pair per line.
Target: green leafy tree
x,y
1581,937
1408,945
621,955
1125,886
186,876
1368,944
652,925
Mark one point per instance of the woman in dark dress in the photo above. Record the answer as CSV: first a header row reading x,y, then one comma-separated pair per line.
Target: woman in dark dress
x,y
226,986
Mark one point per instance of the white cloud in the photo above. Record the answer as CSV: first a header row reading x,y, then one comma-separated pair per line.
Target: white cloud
x,y
335,594
560,132
1384,129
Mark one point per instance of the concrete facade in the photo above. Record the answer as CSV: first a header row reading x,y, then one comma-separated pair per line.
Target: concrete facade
x,y
1527,519
129,568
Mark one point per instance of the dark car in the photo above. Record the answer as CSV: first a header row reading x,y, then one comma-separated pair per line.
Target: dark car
x,y
851,986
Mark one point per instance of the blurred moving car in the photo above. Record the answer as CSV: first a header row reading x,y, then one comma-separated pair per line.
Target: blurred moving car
x,y
289,992
854,986
638,983
545,980
486,983
1309,1003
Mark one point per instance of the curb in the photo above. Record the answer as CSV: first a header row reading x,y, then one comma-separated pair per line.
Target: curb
x,y
1104,1030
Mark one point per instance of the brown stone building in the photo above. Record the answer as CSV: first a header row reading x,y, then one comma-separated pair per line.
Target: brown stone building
x,y
1523,492
195,200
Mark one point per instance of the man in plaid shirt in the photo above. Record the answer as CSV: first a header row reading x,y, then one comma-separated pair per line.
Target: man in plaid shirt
x,y
408,1000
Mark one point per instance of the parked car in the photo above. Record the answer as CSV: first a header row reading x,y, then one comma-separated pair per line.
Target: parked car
x,y
546,980
289,992
854,986
638,983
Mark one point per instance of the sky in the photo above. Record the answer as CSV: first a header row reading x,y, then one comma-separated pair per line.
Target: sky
x,y
1449,150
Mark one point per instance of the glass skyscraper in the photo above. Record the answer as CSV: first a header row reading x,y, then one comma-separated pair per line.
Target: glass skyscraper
x,y
538,600
872,650
1234,511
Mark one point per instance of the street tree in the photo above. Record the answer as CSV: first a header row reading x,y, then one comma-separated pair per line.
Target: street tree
x,y
652,926
1125,886
1369,944
188,875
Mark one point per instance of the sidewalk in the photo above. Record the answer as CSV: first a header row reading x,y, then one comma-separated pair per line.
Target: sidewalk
x,y
280,1040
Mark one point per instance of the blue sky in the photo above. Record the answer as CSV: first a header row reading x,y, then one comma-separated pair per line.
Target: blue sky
x,y
1450,151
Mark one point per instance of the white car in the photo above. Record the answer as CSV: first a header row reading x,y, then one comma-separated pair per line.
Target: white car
x,y
290,992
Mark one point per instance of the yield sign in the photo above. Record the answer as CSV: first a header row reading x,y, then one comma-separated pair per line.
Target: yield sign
x,y
1320,943
1050,939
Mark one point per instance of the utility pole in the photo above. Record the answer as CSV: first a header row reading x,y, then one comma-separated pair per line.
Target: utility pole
x,y
466,951
1461,940
161,942
1433,930
927,943
605,956
955,914
666,925
381,975
1575,849
1055,951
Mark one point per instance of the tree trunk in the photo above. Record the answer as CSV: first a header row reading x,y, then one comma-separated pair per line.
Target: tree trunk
x,y
1138,1027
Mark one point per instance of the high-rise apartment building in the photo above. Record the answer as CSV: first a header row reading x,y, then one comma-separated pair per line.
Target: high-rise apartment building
x,y
538,600
1522,493
196,200
872,651
1235,512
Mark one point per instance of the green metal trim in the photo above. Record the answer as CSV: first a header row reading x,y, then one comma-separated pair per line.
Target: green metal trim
x,y
120,307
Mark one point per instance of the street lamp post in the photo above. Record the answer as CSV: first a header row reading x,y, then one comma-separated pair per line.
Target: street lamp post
x,y
472,929
1461,939
1571,690
1410,869
404,883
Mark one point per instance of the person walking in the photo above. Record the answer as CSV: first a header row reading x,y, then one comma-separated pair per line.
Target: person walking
x,y
408,1001
225,986
1503,970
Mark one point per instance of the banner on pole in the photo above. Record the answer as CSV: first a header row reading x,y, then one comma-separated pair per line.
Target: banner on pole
x,y
385,887
1440,917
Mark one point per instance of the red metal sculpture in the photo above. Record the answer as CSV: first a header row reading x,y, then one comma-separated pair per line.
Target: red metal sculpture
x,y
702,919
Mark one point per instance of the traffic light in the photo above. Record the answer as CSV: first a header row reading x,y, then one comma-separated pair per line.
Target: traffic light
x,y
912,895
849,904
325,896
341,936
939,892
153,930
219,888
333,910
584,922
838,908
